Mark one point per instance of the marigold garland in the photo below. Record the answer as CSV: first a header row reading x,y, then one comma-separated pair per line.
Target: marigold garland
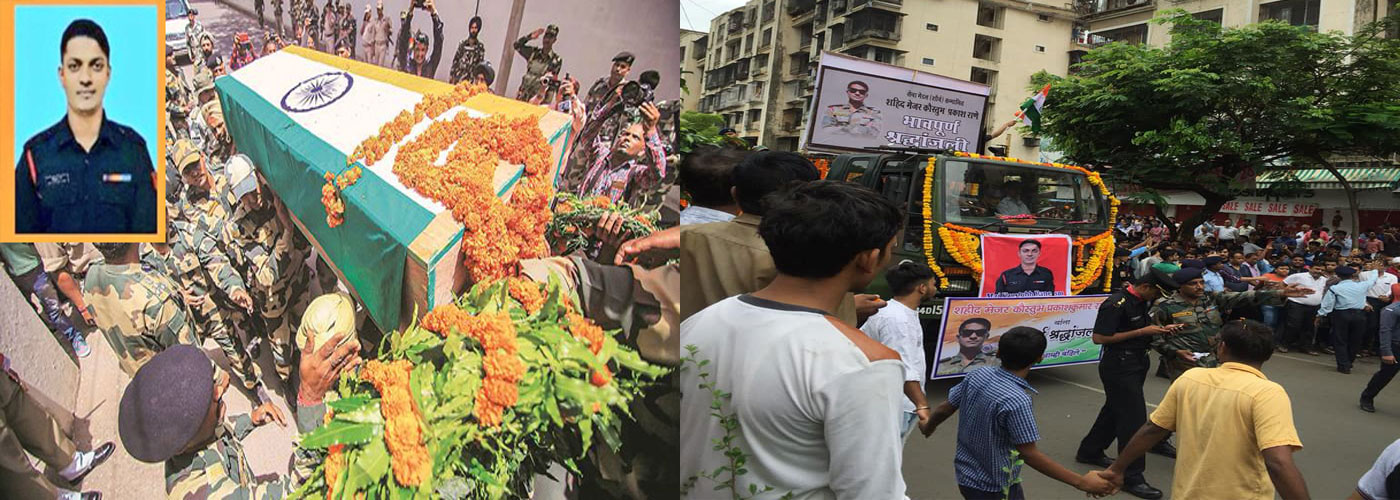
x,y
962,242
823,166
502,367
496,234
403,432
527,293
582,328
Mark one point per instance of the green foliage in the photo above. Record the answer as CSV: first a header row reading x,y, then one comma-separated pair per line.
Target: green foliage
x,y
698,129
1013,473
1217,106
573,226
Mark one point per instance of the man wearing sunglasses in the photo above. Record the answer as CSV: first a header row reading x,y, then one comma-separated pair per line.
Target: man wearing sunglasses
x,y
972,334
854,117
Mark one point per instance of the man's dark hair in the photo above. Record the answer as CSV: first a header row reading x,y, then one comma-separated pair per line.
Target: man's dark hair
x,y
475,20
980,321
858,82
814,230
1169,253
1249,341
906,276
113,251
766,172
85,28
1020,347
707,174
1030,242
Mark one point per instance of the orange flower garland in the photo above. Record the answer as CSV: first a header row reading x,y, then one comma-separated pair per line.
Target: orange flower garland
x,y
502,367
823,166
928,225
402,422
584,329
526,292
497,234
335,464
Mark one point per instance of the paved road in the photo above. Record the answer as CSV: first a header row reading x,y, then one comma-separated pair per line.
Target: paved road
x,y
1340,442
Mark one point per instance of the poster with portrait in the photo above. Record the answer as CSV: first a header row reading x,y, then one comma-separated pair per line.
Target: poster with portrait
x,y
861,103
973,326
1025,265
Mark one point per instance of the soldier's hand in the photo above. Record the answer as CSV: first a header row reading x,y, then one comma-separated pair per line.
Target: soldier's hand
x,y
650,115
321,366
669,239
268,412
1158,330
537,33
1185,355
241,298
192,299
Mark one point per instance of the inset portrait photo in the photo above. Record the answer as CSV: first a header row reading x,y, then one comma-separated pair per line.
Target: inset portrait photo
x,y
86,124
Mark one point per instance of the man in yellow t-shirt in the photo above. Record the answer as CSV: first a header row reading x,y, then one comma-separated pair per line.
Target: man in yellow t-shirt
x,y
1245,419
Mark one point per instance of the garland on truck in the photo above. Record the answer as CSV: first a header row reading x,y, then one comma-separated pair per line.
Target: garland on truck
x,y
962,242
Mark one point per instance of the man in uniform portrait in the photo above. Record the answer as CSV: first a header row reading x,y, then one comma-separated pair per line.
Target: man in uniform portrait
x,y
854,117
86,173
972,334
1028,276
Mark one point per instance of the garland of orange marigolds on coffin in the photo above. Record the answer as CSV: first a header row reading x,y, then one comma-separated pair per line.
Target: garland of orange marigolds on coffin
x,y
497,234
962,242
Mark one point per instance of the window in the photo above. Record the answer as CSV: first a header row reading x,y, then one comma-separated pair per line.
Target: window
x,y
975,192
928,61
989,16
884,56
1042,18
754,115
1136,34
1040,48
986,48
767,37
682,52
1294,12
1211,15
931,27
986,77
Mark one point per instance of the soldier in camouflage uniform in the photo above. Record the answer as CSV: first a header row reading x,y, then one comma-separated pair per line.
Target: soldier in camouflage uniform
x,y
198,263
187,430
139,312
644,302
607,87
177,100
538,61
274,253
1202,314
277,17
853,117
470,52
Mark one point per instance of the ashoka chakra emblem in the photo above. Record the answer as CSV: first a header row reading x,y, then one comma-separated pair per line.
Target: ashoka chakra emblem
x,y
317,92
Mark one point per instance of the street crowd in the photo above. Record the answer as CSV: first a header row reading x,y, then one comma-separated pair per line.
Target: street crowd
x,y
800,386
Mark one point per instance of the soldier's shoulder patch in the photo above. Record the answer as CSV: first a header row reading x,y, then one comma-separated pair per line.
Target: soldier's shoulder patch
x,y
1180,314
1120,301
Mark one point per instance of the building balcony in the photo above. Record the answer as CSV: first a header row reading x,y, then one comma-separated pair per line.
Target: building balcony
x,y
801,8
887,5
1113,8
871,36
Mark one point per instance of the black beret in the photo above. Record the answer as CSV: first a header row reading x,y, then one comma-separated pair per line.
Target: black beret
x,y
1345,271
625,56
166,403
1122,252
1186,274
1161,278
1196,263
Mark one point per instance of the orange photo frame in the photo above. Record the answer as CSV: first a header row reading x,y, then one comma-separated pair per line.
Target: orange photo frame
x,y
9,150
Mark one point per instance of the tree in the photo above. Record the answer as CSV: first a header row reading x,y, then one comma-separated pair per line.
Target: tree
x,y
698,129
1216,107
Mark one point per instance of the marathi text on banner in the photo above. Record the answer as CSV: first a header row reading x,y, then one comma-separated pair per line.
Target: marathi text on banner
x,y
972,327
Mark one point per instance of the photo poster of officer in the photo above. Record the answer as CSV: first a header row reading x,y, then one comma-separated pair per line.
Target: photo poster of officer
x,y
863,104
1025,265
972,326
84,124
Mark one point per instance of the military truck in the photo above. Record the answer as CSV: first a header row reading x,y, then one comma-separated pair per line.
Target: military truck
x,y
968,191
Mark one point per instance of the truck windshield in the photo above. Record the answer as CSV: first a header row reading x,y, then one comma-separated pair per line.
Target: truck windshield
x,y
175,9
978,192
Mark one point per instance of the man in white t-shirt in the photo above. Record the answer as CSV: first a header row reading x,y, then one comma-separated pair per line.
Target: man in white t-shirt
x,y
812,397
1227,234
1299,312
1383,480
897,327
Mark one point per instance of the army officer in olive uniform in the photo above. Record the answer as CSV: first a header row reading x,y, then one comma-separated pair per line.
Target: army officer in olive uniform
x,y
86,173
972,333
854,117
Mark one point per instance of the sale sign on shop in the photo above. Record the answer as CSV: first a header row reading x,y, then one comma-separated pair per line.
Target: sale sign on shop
x,y
1269,208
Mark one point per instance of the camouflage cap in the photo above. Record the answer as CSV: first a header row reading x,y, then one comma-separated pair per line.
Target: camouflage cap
x,y
624,56
166,403
184,154
240,175
551,30
203,80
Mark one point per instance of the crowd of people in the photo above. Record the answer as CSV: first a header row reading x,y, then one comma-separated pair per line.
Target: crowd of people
x,y
822,402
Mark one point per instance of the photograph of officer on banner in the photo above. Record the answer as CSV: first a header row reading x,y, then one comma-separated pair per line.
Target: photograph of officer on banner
x,y
1015,265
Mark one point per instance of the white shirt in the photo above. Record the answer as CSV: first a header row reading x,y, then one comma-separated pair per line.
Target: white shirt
x,y
1382,286
1375,482
1010,205
1228,233
897,327
696,214
1306,280
1246,231
813,410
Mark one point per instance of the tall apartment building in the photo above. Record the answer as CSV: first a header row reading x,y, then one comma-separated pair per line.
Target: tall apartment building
x,y
762,56
694,52
1127,20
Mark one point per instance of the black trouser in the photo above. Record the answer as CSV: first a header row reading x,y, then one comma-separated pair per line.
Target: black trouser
x,y
1348,327
1298,326
1381,378
1014,493
1373,324
1123,372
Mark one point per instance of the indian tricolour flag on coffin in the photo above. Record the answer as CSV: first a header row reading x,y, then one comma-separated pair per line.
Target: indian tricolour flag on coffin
x,y
299,114
1030,110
